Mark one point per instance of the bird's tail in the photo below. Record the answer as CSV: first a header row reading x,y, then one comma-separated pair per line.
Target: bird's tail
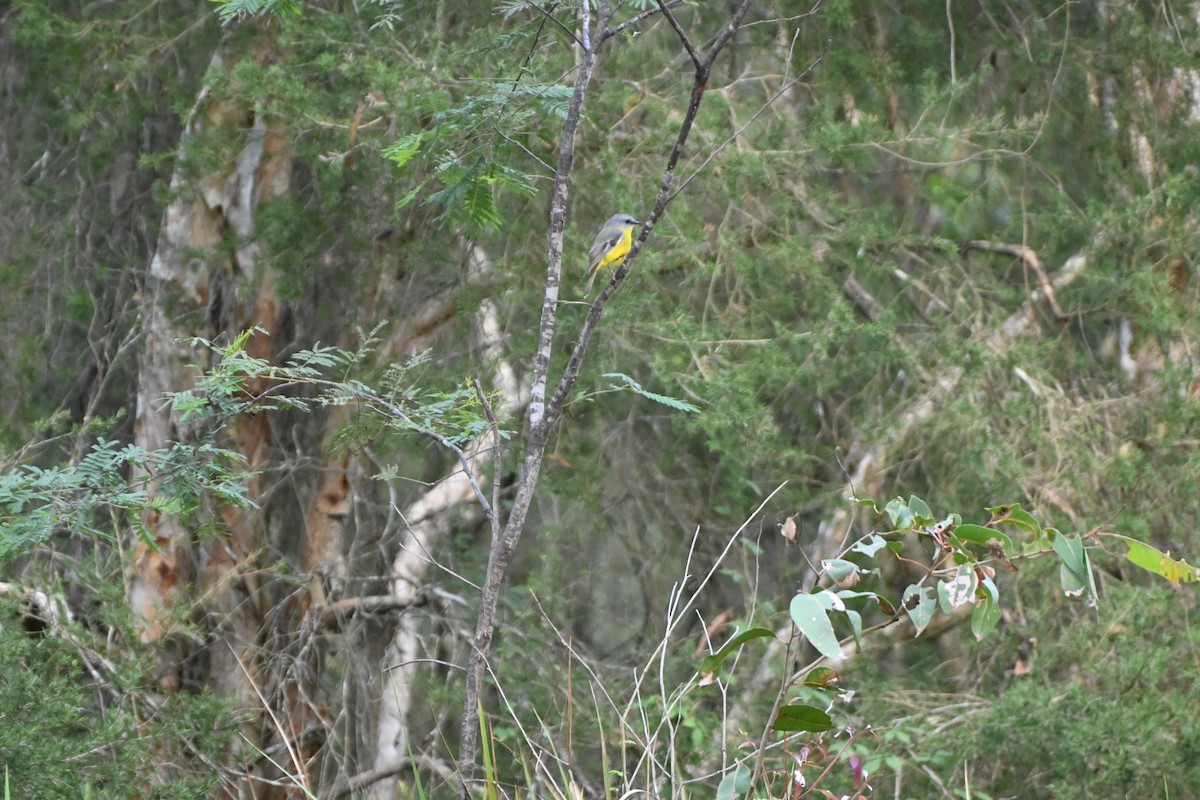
x,y
587,290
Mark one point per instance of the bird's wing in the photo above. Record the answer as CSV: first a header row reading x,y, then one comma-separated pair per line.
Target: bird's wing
x,y
602,246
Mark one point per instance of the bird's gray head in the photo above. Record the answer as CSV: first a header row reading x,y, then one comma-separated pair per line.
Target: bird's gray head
x,y
621,220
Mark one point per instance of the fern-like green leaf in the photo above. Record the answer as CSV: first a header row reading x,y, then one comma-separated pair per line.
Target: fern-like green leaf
x,y
404,149
669,402
229,10
480,205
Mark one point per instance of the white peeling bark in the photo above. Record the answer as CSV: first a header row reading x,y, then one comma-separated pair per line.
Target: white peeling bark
x,y
428,522
174,281
195,287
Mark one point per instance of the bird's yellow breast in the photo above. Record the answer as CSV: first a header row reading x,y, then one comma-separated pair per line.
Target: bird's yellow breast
x,y
616,255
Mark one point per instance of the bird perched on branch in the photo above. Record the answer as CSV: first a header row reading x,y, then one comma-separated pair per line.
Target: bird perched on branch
x,y
611,246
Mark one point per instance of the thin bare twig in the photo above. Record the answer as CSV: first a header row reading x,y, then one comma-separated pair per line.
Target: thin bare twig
x,y
546,13
493,521
681,33
784,20
634,20
364,779
677,612
1029,257
301,777
504,544
736,134
699,86
463,460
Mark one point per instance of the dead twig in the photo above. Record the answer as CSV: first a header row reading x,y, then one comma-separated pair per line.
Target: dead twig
x,y
1029,257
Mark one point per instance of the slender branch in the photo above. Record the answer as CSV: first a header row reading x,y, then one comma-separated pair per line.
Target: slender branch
x,y
1030,258
333,615
364,779
681,33
463,460
862,298
504,544
699,85
299,774
585,17
725,35
556,21
634,20
496,129
784,20
494,521
770,102
543,414
558,216
537,38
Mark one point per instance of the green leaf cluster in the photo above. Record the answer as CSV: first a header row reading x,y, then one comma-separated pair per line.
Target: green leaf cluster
x,y
76,724
109,489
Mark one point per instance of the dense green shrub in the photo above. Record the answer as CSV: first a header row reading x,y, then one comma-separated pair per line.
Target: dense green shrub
x,y
77,722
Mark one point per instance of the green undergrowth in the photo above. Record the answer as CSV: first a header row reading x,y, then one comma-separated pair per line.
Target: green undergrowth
x,y
71,728
1070,704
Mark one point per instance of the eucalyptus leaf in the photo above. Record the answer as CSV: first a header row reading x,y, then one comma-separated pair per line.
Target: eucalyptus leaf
x,y
870,545
919,605
811,618
799,717
735,783
710,662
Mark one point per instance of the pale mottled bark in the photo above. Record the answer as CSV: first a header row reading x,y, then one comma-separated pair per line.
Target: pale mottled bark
x,y
175,281
196,287
427,522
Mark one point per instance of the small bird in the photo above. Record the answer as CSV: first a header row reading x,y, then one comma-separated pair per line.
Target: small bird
x,y
611,246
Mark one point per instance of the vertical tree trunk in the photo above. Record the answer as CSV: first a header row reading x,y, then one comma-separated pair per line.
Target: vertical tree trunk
x,y
197,287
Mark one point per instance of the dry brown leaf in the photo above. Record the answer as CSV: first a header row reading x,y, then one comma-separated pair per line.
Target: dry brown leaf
x,y
788,528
